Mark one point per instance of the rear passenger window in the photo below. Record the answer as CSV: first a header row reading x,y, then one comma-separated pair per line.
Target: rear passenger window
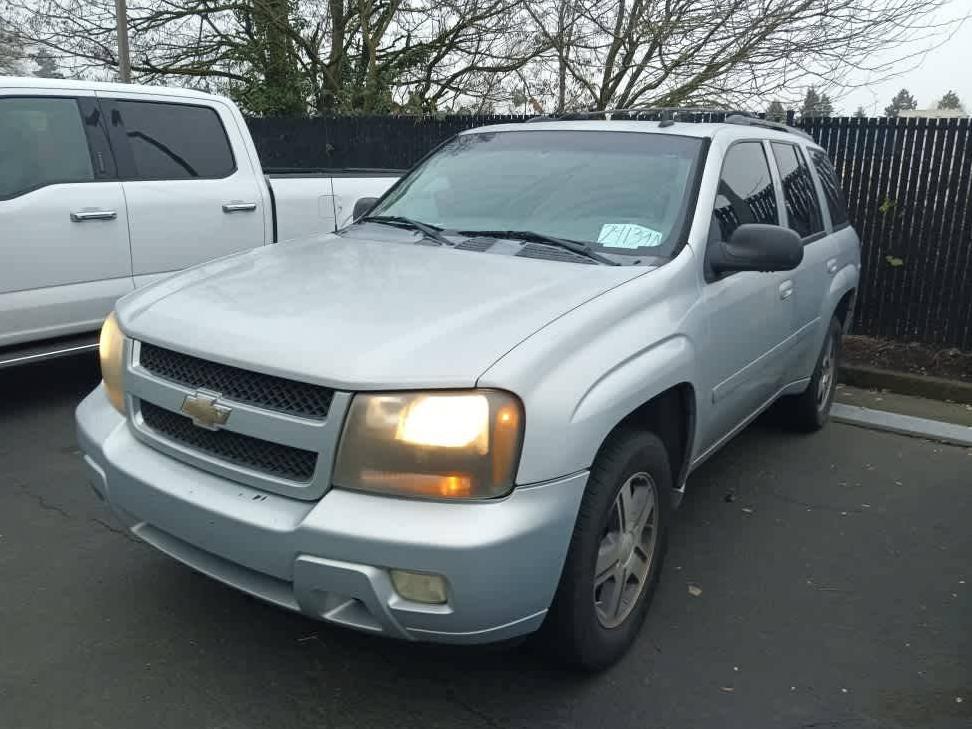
x,y
745,193
799,193
42,142
836,202
174,141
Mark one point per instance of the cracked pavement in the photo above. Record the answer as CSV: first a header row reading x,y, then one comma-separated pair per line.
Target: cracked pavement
x,y
833,577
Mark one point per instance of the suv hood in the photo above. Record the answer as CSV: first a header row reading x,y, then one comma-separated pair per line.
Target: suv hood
x,y
362,314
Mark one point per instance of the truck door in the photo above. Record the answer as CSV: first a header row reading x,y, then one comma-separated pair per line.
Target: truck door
x,y
748,314
192,191
63,227
811,280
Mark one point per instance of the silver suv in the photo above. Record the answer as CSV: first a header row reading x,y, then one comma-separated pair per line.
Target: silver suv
x,y
468,416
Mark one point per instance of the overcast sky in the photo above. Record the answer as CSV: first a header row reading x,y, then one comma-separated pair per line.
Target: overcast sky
x,y
948,66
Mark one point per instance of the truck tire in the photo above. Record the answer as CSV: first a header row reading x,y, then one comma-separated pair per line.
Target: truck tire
x,y
615,555
810,410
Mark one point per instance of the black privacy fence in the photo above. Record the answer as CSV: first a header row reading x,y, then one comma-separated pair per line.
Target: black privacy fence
x,y
384,142
907,183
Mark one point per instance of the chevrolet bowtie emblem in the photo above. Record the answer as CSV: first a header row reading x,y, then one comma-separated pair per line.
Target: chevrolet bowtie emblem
x,y
204,410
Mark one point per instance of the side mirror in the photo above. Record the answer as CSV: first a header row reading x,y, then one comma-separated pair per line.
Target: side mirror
x,y
363,207
757,247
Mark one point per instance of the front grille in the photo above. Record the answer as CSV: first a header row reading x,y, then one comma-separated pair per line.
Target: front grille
x,y
293,464
234,383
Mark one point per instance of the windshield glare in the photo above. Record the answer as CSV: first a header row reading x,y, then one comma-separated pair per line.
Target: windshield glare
x,y
623,192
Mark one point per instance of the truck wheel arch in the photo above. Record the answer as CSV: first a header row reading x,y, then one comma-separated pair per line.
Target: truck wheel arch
x,y
671,415
844,311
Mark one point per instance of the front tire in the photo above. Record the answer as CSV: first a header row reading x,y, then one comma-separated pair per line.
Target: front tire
x,y
810,410
616,553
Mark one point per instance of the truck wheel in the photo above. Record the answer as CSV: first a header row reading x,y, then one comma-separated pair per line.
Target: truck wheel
x,y
810,410
615,554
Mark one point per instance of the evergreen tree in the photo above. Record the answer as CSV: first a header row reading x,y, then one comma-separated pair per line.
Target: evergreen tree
x,y
11,53
46,65
776,112
901,101
950,101
816,105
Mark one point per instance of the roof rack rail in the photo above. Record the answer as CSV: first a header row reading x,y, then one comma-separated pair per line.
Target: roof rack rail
x,y
755,121
670,114
656,113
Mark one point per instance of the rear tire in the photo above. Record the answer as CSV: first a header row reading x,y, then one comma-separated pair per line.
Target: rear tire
x,y
615,555
810,410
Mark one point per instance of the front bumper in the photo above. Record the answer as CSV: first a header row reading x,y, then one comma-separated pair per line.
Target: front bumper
x,y
329,559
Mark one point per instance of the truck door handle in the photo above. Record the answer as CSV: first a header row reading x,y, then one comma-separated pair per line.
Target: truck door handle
x,y
786,290
82,216
832,266
238,207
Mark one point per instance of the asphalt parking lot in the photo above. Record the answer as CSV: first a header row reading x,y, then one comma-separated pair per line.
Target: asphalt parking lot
x,y
833,576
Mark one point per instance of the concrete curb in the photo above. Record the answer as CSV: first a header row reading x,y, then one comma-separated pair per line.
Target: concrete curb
x,y
960,435
935,388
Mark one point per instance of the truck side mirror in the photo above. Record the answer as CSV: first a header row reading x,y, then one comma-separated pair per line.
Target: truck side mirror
x,y
363,207
757,247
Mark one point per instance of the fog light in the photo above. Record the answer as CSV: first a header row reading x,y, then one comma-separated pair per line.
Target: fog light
x,y
419,587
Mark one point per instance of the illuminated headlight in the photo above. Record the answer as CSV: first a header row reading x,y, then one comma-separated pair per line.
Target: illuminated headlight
x,y
451,445
111,351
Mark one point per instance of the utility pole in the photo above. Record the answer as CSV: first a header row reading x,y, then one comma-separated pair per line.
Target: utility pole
x,y
121,25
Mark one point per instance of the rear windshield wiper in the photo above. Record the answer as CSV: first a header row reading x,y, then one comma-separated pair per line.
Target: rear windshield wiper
x,y
399,221
581,249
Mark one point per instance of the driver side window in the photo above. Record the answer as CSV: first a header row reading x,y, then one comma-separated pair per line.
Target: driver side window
x,y
42,142
746,193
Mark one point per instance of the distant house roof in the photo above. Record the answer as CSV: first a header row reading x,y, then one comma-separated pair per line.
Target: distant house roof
x,y
932,113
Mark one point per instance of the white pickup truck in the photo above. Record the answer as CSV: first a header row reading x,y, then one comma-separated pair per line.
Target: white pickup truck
x,y
107,187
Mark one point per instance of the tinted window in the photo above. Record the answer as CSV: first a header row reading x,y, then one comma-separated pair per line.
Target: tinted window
x,y
831,187
799,193
175,141
624,192
745,193
42,142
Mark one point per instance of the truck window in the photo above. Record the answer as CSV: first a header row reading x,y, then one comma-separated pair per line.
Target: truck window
x,y
833,194
745,193
799,192
625,192
42,142
174,141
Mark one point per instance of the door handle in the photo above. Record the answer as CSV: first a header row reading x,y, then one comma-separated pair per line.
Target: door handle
x,y
786,290
832,266
239,207
82,216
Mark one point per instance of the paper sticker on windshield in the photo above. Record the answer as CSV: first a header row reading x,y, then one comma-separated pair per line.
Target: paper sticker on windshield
x,y
628,235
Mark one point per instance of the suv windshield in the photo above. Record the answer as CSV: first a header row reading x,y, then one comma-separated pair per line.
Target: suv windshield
x,y
623,192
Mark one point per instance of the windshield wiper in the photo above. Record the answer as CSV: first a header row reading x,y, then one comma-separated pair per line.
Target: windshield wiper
x,y
581,249
399,221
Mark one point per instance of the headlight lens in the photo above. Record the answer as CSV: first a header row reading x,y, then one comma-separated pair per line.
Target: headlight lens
x,y
111,351
453,445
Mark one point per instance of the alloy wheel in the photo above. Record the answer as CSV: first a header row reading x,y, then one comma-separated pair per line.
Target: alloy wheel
x,y
626,550
828,373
